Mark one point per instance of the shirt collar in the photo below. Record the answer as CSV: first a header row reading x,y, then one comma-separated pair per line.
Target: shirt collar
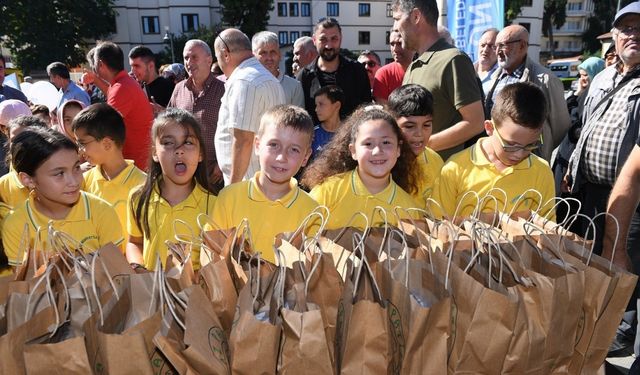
x,y
255,193
81,211
120,76
122,177
479,159
191,201
387,195
205,86
517,73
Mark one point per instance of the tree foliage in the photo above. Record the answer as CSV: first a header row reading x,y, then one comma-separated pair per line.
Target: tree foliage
x,y
512,9
40,32
203,33
553,16
250,16
600,23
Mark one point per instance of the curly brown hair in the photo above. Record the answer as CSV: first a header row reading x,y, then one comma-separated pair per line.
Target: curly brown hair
x,y
336,158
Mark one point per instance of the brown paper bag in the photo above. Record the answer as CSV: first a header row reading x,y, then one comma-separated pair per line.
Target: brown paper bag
x,y
65,357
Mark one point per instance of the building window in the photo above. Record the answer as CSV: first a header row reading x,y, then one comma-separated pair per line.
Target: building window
x,y
190,22
282,9
306,33
293,9
333,9
574,6
283,38
364,10
294,35
364,37
389,10
527,3
387,35
150,25
305,9
526,25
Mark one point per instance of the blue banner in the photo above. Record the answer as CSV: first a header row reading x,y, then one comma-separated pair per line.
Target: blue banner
x,y
467,19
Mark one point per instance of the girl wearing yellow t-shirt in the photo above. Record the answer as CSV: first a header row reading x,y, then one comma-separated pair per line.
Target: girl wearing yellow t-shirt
x,y
48,164
176,189
365,165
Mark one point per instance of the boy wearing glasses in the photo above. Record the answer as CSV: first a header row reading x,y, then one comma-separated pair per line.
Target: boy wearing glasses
x,y
100,133
503,161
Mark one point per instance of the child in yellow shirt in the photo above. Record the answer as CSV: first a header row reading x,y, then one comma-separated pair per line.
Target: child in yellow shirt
x,y
12,192
365,165
272,201
48,164
412,106
100,133
503,160
176,188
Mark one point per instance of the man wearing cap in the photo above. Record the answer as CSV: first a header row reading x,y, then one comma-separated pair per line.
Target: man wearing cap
x,y
331,68
8,92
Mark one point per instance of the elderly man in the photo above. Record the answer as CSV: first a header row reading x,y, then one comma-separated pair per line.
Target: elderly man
x,y
487,59
331,68
125,95
143,67
371,62
201,94
61,79
266,49
443,70
389,77
610,129
250,91
8,92
304,52
514,66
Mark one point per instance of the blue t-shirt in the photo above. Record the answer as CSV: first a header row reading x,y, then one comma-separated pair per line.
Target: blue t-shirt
x,y
320,138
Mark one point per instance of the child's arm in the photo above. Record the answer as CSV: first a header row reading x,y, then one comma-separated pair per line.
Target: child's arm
x,y
134,250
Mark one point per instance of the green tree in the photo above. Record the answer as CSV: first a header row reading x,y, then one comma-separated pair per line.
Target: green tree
x,y
40,32
203,33
600,23
554,15
250,16
512,9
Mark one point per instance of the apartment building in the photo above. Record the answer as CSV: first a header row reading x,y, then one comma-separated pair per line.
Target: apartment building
x,y
567,39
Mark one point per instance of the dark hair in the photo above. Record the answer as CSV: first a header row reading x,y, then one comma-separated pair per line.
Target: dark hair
x,y
4,62
523,102
99,121
31,148
110,54
170,117
336,156
288,116
367,52
58,69
333,92
428,8
145,54
327,23
26,121
410,100
40,108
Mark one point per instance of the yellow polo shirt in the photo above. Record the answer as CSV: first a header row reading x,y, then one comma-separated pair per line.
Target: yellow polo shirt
x,y
161,219
115,191
12,193
345,193
92,222
430,164
470,170
266,218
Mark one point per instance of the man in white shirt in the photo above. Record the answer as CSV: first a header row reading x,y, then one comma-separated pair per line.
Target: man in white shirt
x,y
266,49
250,90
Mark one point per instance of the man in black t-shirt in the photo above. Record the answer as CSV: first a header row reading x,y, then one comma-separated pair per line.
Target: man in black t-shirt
x,y
331,68
143,67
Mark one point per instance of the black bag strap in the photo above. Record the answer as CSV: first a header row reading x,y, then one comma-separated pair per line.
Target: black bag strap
x,y
626,79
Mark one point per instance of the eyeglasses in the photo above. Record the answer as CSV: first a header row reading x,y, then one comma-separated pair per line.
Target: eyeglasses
x,y
629,30
369,64
83,145
503,46
515,148
226,46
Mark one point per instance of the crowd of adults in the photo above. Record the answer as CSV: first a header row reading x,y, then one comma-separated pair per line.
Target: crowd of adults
x,y
596,134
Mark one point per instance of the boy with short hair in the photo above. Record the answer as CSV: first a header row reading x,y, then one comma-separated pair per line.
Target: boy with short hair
x,y
329,99
272,201
100,133
503,160
412,106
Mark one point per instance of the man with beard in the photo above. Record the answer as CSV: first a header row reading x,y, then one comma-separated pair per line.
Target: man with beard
x,y
445,71
389,77
331,68
515,66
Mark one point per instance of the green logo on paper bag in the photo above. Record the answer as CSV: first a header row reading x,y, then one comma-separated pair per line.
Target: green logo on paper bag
x,y
219,345
398,342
